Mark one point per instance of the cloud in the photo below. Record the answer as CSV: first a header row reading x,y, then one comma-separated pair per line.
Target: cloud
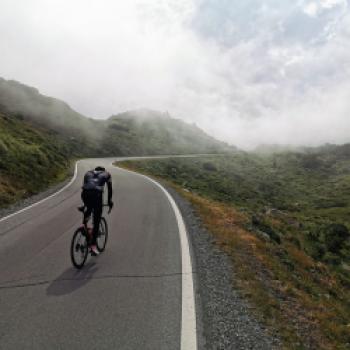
x,y
248,72
312,9
316,8
328,4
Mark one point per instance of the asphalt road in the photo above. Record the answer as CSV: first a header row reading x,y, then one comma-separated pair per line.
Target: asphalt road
x,y
129,297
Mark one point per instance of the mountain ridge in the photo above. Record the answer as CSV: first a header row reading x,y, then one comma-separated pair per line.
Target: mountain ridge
x,y
56,115
41,135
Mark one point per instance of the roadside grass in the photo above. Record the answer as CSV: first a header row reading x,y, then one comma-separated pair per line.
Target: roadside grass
x,y
31,159
304,299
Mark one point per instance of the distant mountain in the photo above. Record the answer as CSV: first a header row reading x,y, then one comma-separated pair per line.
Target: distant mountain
x,y
40,135
138,132
46,112
150,132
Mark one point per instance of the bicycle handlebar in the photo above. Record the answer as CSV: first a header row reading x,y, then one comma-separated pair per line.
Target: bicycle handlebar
x,y
110,209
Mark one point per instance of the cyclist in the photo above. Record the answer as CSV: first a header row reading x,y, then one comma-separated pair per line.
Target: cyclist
x,y
92,196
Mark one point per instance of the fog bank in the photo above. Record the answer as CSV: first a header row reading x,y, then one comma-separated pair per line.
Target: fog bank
x,y
247,72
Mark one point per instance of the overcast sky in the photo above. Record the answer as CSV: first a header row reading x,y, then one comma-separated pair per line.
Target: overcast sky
x,y
246,71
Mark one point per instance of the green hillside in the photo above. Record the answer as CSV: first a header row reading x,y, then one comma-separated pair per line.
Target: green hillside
x,y
31,158
47,112
284,218
40,134
146,132
140,132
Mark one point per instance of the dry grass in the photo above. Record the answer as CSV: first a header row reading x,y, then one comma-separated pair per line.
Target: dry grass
x,y
290,292
280,303
9,193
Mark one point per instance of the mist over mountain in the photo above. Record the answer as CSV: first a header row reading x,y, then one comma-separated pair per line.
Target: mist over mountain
x,y
246,72
261,89
151,132
53,113
40,136
138,132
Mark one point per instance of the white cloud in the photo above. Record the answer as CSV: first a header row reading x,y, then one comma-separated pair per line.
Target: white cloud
x,y
328,4
248,72
312,9
315,8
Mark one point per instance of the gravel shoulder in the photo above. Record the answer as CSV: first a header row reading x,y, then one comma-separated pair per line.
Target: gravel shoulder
x,y
224,319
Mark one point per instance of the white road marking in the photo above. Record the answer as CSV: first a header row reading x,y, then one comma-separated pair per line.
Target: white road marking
x,y
75,175
188,315
188,309
45,199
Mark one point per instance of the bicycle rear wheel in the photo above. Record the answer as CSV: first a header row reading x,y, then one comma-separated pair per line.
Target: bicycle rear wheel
x,y
79,248
102,236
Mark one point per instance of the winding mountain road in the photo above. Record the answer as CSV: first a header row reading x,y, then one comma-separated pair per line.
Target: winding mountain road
x,y
138,294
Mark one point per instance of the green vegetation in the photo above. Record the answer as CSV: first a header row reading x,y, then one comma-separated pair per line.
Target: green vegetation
x,y
46,112
39,135
30,159
146,132
141,132
285,220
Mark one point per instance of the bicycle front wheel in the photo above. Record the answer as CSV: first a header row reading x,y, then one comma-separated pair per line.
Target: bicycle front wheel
x,y
102,236
79,248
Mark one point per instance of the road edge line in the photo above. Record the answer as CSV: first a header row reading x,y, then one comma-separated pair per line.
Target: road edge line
x,y
188,308
46,198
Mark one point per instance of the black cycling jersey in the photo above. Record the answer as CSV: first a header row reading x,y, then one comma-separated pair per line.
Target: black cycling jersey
x,y
93,185
96,180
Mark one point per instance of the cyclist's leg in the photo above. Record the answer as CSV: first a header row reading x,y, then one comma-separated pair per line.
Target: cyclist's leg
x,y
97,211
89,202
87,214
83,198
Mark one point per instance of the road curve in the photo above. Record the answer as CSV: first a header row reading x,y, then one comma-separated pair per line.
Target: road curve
x,y
130,297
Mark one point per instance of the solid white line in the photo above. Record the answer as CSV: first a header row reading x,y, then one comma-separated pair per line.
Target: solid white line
x,y
45,199
74,177
188,316
188,310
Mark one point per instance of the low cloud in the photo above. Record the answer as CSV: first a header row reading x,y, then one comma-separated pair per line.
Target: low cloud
x,y
248,72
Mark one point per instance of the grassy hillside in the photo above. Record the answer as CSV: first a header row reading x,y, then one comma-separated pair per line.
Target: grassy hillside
x,y
145,132
40,134
285,220
27,102
138,132
31,158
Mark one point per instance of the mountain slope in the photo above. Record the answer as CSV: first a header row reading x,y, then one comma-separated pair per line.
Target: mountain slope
x,y
31,158
47,112
284,220
146,132
138,132
39,135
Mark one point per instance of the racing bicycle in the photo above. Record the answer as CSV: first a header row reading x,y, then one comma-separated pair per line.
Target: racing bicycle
x,y
80,245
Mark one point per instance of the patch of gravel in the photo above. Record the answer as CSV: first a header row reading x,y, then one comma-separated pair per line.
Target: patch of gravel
x,y
224,318
35,198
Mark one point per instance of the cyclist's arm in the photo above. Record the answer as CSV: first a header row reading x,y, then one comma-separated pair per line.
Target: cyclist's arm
x,y
110,188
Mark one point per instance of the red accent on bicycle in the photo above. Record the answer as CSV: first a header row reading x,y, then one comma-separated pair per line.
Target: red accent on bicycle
x,y
80,245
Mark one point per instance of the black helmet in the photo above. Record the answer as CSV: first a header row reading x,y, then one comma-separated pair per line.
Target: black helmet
x,y
100,168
